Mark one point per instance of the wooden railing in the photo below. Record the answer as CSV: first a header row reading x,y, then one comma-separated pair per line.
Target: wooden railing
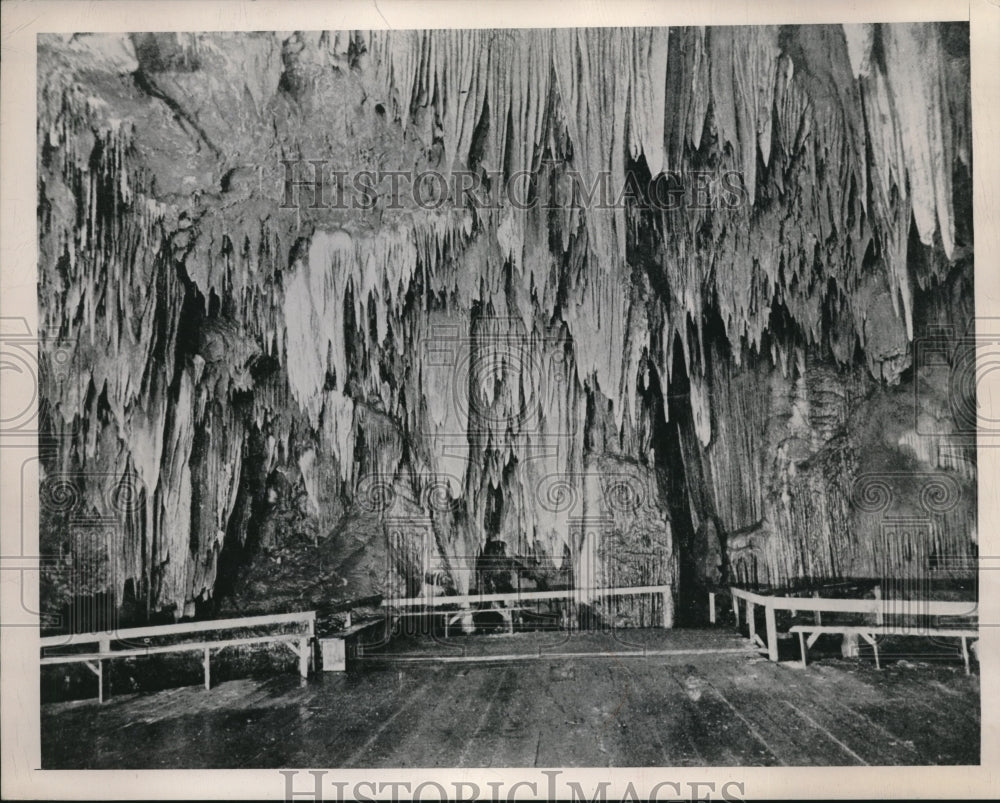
x,y
879,608
575,594
123,643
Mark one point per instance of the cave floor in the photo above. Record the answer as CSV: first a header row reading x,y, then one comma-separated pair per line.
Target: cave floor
x,y
728,707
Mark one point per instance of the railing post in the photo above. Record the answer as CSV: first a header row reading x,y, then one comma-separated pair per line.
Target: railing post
x,y
103,647
772,633
668,610
751,619
878,605
206,665
816,614
312,640
711,607
736,607
303,656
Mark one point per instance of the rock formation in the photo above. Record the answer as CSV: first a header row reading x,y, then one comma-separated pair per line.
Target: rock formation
x,y
751,362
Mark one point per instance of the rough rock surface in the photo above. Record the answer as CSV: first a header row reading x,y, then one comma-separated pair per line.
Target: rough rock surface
x,y
234,365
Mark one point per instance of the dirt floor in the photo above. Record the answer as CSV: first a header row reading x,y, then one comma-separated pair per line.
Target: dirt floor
x,y
710,702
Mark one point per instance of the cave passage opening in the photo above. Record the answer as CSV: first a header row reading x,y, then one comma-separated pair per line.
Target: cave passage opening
x,y
672,423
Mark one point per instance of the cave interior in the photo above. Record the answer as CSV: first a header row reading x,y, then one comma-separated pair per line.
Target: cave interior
x,y
271,383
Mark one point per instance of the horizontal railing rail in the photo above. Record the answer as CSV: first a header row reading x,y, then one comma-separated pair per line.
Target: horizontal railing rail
x,y
524,596
877,607
579,595
889,607
300,643
180,629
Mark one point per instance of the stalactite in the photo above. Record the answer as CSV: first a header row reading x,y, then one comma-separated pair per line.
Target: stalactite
x,y
215,466
173,491
914,74
646,112
424,345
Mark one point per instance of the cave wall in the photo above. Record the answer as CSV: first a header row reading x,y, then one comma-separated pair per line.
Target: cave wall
x,y
251,353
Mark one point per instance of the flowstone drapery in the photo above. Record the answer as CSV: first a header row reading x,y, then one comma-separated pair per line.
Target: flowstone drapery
x,y
254,316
